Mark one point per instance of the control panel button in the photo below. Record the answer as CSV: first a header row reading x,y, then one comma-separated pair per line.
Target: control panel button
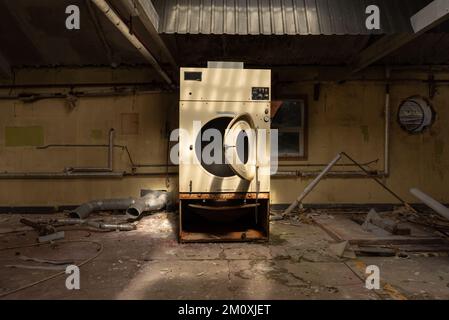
x,y
260,93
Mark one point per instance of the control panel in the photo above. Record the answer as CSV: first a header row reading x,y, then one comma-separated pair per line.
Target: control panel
x,y
260,93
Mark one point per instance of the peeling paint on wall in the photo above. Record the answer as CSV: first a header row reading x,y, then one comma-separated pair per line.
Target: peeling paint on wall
x,y
96,134
24,136
365,133
439,148
130,123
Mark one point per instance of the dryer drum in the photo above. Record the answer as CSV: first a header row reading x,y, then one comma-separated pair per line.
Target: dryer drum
x,y
237,151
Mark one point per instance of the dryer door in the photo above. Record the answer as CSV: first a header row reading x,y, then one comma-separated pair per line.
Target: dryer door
x,y
240,145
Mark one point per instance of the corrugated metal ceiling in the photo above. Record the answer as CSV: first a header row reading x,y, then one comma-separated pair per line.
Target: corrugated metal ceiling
x,y
28,39
283,17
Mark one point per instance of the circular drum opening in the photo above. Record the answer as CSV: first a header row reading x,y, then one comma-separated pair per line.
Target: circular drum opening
x,y
220,169
243,146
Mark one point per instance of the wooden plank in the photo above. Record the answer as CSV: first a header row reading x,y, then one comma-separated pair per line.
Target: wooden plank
x,y
343,229
398,241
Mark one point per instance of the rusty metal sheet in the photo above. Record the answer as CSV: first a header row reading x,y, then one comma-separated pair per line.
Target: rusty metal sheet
x,y
222,196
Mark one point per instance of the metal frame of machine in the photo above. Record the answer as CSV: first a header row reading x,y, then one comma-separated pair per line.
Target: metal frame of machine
x,y
224,201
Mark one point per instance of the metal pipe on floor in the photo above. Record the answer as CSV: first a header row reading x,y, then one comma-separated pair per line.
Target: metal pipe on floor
x,y
124,29
93,224
153,201
431,203
83,211
312,185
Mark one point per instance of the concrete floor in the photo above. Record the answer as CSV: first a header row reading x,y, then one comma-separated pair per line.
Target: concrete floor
x,y
150,264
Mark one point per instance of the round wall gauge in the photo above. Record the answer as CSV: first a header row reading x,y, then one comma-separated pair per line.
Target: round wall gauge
x,y
415,114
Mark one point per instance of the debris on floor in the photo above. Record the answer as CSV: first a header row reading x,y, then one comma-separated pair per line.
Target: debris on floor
x,y
318,255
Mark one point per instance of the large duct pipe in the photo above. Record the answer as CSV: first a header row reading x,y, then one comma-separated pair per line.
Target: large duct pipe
x,y
123,28
83,211
430,202
153,201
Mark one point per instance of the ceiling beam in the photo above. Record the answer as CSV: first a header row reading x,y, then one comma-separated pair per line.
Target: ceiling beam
x,y
146,12
432,15
104,7
426,19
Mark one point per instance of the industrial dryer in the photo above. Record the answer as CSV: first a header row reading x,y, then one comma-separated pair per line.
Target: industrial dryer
x,y
224,152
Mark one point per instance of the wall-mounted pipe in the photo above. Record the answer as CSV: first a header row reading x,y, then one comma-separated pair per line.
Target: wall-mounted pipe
x,y
326,171
356,174
124,29
84,175
60,175
109,168
90,173
331,174
111,150
33,97
300,165
131,86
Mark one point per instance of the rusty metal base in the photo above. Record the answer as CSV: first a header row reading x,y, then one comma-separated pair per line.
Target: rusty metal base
x,y
224,217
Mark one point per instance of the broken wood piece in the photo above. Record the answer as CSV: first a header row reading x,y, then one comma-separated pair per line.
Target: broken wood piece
x,y
42,229
342,250
339,248
276,218
375,252
389,225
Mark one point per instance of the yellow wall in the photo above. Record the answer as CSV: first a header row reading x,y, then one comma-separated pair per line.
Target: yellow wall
x,y
348,117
